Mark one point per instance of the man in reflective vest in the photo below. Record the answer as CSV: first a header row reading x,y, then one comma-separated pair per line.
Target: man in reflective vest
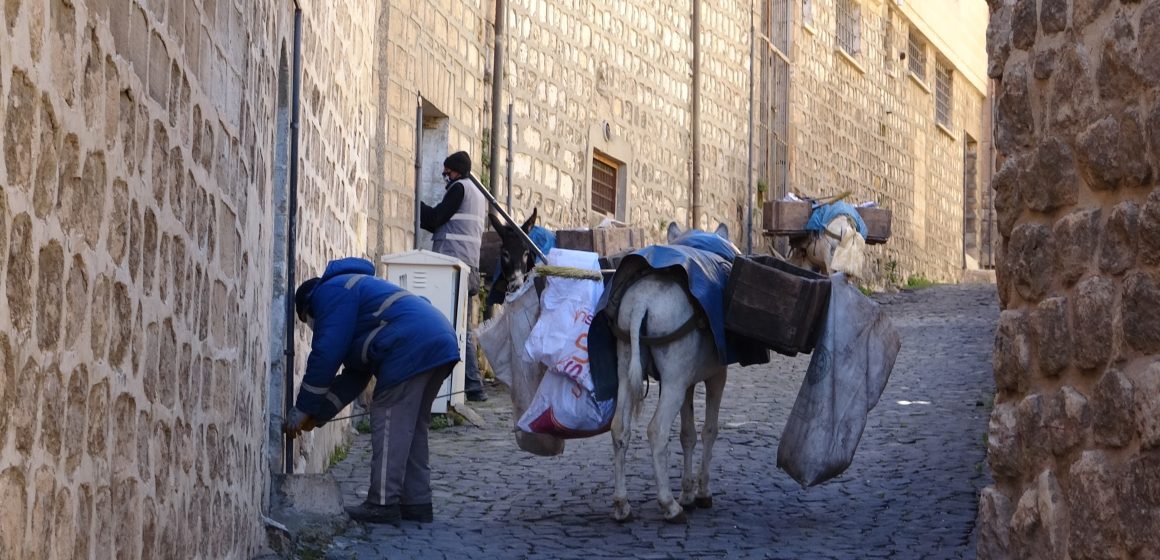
x,y
373,328
457,224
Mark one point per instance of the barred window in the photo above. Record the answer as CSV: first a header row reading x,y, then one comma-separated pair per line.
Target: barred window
x,y
777,23
888,38
943,93
916,52
605,180
850,26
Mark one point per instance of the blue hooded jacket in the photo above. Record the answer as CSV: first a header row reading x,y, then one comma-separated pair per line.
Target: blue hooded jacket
x,y
370,327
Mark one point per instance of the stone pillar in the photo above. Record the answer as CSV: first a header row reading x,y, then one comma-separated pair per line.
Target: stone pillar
x,y
1074,439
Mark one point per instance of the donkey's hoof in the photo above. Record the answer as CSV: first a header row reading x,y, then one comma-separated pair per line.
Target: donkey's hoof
x,y
689,506
621,512
622,518
678,519
704,502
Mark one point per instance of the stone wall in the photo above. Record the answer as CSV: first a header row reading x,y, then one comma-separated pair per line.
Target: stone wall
x,y
336,186
574,69
1073,441
141,143
866,124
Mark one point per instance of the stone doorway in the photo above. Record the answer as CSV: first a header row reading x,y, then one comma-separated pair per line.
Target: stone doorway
x,y
970,203
433,148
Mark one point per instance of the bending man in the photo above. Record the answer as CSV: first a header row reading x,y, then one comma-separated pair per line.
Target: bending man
x,y
373,328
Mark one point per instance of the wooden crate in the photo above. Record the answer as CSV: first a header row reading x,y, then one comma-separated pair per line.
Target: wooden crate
x,y
786,217
877,224
776,303
602,241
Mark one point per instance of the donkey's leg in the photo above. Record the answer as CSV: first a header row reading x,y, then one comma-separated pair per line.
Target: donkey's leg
x,y
714,390
621,435
668,405
688,448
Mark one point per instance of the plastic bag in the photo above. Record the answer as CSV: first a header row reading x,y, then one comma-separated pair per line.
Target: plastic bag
x,y
565,409
847,374
850,251
559,339
502,339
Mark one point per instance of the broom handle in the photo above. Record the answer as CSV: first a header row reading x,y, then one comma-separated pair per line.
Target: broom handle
x,y
495,205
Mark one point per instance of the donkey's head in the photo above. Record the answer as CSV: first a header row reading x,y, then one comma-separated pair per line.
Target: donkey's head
x,y
515,258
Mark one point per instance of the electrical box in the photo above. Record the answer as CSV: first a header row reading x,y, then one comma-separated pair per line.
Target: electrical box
x,y
443,280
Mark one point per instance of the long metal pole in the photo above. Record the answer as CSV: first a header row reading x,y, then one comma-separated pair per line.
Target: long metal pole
x,y
695,33
418,161
496,94
507,217
508,186
749,168
291,236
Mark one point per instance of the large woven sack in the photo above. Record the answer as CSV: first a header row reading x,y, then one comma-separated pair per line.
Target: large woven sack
x,y
848,372
502,340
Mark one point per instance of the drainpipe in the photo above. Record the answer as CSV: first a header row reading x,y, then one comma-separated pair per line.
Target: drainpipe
x,y
508,186
695,32
418,161
292,235
749,167
496,96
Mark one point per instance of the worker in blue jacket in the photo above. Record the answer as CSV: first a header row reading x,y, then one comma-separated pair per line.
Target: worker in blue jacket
x,y
373,328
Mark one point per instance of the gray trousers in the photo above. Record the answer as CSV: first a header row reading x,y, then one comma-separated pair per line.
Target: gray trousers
x,y
472,382
400,417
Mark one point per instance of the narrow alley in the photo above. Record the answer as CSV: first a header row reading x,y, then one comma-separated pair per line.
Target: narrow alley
x,y
912,491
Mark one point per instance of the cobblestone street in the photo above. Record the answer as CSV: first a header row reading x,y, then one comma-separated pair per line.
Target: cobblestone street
x,y
910,493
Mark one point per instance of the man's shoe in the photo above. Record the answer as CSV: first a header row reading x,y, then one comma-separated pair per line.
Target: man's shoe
x,y
418,512
368,512
477,397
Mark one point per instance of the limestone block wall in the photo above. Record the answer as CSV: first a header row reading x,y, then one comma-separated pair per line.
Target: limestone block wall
x,y
143,155
1073,442
441,53
865,124
337,187
574,68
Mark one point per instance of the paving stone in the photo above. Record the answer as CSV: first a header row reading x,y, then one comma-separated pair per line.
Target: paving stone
x,y
911,492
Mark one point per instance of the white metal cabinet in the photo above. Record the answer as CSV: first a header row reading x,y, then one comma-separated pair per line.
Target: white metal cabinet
x,y
443,281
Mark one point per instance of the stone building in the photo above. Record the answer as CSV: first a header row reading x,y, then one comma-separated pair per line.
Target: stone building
x,y
146,188
888,100
1073,442
144,157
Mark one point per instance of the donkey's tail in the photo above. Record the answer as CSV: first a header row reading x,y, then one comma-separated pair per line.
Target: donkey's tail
x,y
635,379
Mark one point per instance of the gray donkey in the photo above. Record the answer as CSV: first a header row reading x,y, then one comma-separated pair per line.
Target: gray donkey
x,y
683,353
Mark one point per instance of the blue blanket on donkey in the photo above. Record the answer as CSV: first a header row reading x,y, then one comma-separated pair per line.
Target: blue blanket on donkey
x,y
703,261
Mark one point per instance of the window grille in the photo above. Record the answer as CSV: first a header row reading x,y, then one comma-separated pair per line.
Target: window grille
x,y
916,54
777,23
850,26
888,38
605,179
943,94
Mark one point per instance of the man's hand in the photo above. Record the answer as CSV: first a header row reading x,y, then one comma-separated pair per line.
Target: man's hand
x,y
297,422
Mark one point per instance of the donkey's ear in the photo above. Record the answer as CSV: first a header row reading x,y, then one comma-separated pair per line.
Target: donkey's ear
x,y
496,224
722,231
531,221
674,231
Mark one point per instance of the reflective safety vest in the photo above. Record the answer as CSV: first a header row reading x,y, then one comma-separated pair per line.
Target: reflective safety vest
x,y
462,235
